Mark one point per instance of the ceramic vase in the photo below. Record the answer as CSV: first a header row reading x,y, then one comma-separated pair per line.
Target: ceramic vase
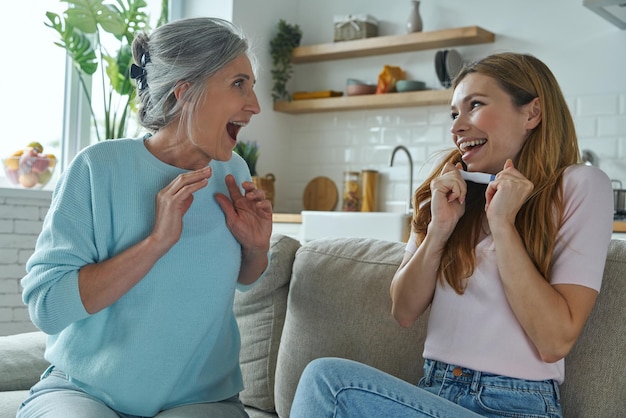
x,y
414,23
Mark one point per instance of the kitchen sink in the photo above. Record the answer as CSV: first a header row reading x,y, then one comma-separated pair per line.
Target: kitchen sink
x,y
389,226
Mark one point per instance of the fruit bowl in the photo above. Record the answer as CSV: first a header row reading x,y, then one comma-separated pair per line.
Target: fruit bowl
x,y
29,169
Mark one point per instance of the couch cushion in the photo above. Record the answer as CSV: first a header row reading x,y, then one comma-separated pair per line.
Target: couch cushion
x,y
22,362
339,305
10,401
260,313
595,385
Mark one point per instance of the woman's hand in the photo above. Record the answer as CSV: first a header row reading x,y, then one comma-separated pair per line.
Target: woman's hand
x,y
249,216
173,201
505,196
448,200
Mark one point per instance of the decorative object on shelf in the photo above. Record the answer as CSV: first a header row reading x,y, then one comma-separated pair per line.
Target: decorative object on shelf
x,y
409,85
29,168
448,63
249,151
349,27
388,77
305,95
359,89
82,28
414,22
281,46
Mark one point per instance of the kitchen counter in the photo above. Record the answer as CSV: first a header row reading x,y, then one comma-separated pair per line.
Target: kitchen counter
x,y
289,218
618,226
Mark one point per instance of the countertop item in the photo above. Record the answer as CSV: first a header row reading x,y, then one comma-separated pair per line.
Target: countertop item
x,y
320,194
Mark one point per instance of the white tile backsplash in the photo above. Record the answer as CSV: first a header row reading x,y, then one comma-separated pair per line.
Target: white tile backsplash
x,y
328,144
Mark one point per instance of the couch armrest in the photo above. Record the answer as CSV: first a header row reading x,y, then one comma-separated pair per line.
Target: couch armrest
x,y
21,360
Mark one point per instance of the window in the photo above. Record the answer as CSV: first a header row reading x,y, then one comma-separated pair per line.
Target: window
x,y
33,70
34,75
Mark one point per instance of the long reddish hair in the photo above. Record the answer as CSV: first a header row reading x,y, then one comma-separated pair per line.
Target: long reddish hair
x,y
550,148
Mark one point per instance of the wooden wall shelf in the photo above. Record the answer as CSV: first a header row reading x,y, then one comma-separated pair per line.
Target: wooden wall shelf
x,y
365,102
380,45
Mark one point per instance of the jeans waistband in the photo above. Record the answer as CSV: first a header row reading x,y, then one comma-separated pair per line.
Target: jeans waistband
x,y
440,371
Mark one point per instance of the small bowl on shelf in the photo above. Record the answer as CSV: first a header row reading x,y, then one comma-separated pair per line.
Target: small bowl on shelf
x,y
409,85
29,170
360,89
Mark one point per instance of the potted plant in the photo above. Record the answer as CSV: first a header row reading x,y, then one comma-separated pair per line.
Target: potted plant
x,y
249,151
281,46
82,28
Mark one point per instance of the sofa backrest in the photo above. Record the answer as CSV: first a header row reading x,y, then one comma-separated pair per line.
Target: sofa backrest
x,y
260,314
595,382
339,305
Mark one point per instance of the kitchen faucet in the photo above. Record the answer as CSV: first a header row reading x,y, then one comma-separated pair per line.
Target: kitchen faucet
x,y
408,154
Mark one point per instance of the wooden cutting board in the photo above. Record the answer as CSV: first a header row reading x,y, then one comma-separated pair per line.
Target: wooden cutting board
x,y
320,194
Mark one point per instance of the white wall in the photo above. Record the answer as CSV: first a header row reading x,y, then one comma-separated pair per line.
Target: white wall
x,y
21,217
584,51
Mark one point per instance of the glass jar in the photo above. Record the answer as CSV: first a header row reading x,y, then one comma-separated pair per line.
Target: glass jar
x,y
351,191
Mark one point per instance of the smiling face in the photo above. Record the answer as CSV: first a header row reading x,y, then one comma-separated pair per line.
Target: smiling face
x,y
487,127
228,105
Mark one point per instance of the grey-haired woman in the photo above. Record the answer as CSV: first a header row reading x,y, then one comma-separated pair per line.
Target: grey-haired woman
x,y
133,276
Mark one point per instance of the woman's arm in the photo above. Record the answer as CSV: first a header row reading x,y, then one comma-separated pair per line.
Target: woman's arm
x,y
414,282
552,315
102,284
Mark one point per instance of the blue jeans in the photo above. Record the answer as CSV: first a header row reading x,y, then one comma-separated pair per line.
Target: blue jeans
x,y
54,396
331,387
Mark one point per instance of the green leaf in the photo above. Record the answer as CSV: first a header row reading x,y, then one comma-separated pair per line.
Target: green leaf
x,y
76,43
117,70
81,28
249,151
86,15
281,47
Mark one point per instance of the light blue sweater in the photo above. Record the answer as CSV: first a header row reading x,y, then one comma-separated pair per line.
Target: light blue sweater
x,y
172,339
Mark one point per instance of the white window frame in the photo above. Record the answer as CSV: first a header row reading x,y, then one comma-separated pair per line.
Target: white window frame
x,y
76,117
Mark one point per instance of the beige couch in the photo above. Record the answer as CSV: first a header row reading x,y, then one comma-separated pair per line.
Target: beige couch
x,y
331,298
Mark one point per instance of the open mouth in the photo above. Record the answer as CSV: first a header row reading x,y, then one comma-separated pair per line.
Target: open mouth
x,y
233,129
469,145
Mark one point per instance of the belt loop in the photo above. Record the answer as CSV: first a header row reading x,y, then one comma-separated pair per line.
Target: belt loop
x,y
429,366
557,391
476,378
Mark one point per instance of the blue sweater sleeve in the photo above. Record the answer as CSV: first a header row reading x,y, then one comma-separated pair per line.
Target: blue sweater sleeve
x,y
50,287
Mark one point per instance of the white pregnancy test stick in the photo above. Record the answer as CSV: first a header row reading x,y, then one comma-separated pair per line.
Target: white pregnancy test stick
x,y
477,177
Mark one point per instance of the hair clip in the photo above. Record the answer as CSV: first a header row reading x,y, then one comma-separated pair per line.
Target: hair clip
x,y
139,73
